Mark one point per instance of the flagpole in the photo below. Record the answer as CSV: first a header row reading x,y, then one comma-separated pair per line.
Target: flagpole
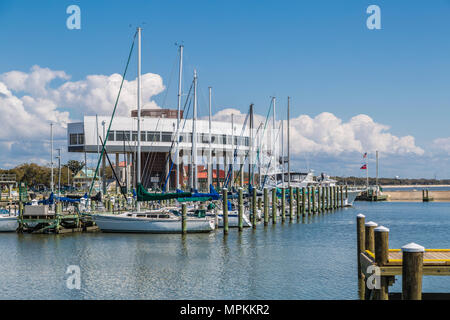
x,y
367,174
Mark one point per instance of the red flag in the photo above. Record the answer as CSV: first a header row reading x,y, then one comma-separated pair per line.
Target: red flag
x,y
364,167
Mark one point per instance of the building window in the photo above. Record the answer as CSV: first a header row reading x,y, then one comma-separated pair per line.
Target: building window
x,y
166,137
111,136
153,136
224,139
213,139
143,136
135,136
76,138
247,141
122,136
73,138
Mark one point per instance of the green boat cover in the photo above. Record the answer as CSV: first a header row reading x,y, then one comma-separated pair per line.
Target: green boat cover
x,y
144,195
201,199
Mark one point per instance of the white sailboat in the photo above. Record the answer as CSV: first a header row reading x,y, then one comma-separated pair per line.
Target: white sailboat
x,y
8,221
148,221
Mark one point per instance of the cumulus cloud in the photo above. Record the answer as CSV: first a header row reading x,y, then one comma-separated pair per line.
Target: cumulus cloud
x,y
441,145
327,134
29,101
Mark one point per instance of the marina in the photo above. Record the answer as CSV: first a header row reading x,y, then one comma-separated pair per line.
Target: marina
x,y
228,158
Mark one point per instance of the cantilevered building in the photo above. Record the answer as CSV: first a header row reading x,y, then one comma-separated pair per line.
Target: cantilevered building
x,y
158,147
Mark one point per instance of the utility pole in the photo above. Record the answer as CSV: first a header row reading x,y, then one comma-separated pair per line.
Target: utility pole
x,y
59,171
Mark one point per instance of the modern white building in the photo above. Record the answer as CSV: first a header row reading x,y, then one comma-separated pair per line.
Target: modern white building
x,y
158,147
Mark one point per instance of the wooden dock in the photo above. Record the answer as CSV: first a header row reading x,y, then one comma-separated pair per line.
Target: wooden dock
x,y
378,265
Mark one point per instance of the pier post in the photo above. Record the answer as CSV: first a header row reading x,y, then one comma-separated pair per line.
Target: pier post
x,y
309,200
274,205
381,258
313,194
342,196
303,200
259,203
297,192
336,203
318,199
323,199
291,203
370,237
283,204
254,208
266,206
183,219
360,243
241,209
412,271
225,210
346,192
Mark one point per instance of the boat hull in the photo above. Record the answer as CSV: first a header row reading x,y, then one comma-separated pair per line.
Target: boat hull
x,y
233,220
115,223
8,224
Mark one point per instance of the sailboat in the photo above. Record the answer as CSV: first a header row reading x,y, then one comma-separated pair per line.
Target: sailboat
x,y
150,221
8,221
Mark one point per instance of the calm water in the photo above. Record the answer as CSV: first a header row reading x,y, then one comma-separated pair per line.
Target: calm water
x,y
314,259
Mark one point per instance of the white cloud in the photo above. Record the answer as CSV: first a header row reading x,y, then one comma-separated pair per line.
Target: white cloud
x,y
327,134
441,145
29,102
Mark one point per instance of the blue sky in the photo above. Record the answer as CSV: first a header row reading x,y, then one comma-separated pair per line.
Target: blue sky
x,y
318,52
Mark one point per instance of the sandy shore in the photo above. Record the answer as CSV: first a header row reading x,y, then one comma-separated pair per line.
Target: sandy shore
x,y
407,195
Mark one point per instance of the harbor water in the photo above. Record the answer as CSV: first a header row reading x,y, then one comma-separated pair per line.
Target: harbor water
x,y
312,259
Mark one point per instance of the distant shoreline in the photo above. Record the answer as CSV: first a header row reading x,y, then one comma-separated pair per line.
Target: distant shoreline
x,y
415,186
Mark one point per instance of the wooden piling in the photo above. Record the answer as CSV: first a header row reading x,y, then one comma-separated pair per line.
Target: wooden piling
x,y
303,201
225,210
266,206
381,258
283,204
309,201
291,203
254,209
183,219
342,195
297,192
361,245
274,205
313,194
370,237
241,210
318,199
323,199
412,271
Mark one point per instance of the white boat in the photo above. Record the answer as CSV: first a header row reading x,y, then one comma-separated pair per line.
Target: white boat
x,y
233,220
152,221
8,222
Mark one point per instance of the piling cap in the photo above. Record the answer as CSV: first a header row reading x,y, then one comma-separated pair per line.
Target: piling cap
x,y
412,247
381,229
371,224
360,215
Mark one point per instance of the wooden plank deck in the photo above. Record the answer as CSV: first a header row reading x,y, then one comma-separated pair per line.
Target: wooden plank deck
x,y
436,262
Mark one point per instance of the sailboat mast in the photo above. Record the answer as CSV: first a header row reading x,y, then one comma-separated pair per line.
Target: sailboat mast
x,y
194,135
138,155
250,163
274,143
289,142
51,157
282,153
210,162
232,152
180,75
